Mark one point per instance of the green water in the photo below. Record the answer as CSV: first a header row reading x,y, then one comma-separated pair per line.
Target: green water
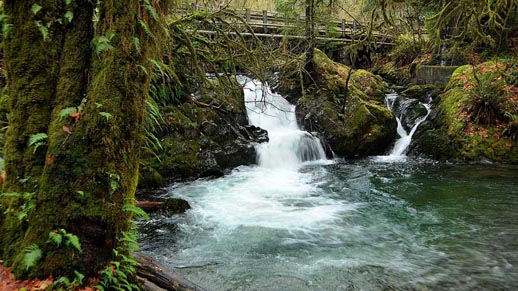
x,y
361,225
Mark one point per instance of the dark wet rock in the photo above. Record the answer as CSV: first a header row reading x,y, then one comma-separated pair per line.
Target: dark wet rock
x,y
409,111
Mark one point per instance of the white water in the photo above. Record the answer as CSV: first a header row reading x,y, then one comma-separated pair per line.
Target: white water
x,y
289,146
291,225
405,138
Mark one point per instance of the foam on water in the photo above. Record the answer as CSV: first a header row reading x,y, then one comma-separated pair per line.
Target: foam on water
x,y
289,146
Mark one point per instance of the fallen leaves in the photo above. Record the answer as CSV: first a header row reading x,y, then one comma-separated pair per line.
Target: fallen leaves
x,y
9,283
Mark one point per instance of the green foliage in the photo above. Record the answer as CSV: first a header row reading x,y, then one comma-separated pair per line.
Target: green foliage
x,y
105,115
43,29
57,238
69,15
473,22
511,130
32,255
114,181
405,51
120,274
65,112
102,43
63,283
487,99
36,8
23,209
37,140
152,11
137,212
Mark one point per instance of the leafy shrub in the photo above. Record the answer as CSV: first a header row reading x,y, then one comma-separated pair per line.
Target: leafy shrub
x,y
487,98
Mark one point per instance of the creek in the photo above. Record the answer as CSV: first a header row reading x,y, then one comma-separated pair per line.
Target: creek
x,y
297,221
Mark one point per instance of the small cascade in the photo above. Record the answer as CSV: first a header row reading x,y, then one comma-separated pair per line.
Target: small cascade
x,y
288,146
405,138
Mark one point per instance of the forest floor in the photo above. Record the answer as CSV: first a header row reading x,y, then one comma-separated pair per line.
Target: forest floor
x,y
9,283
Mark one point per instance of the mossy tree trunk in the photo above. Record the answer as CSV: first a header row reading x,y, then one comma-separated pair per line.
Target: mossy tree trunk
x,y
32,74
84,179
310,39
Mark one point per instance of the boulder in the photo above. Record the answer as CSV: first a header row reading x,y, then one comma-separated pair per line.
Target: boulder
x,y
422,92
475,119
366,127
202,137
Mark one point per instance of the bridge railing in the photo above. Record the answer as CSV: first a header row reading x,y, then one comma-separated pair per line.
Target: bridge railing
x,y
276,23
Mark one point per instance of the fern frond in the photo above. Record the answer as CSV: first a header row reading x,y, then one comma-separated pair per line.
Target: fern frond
x,y
66,112
56,238
33,254
73,240
137,211
37,137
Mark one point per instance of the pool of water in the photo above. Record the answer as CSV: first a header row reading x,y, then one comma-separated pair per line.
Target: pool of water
x,y
345,225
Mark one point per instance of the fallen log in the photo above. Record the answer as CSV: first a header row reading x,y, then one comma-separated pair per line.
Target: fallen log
x,y
171,205
161,276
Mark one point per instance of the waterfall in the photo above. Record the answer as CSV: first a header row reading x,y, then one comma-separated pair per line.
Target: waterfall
x,y
289,146
405,138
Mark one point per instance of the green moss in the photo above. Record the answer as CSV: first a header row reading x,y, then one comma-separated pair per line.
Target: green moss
x,y
150,178
179,158
31,83
366,127
421,92
470,140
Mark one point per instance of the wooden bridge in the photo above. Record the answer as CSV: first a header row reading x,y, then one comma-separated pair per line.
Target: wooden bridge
x,y
267,24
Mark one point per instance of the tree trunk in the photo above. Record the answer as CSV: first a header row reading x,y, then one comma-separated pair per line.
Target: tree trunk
x,y
88,175
310,39
32,74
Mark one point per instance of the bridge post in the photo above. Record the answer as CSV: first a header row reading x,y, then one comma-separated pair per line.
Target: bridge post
x,y
343,28
354,25
265,21
193,6
247,15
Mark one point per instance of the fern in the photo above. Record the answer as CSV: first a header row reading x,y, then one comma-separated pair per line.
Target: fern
x,y
146,29
103,43
151,9
38,137
32,256
37,140
56,238
66,112
69,15
137,211
73,240
43,30
70,239
36,8
105,115
136,42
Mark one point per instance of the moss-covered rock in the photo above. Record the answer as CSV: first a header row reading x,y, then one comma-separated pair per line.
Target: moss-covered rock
x,y
475,118
202,138
422,92
366,127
